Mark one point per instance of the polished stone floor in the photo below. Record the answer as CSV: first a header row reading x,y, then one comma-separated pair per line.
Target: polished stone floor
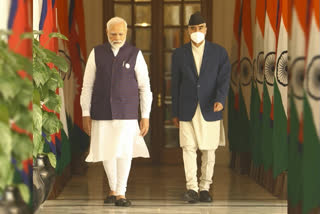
x,y
158,189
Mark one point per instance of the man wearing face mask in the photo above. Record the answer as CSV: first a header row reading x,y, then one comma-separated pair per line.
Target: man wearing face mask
x,y
115,82
200,83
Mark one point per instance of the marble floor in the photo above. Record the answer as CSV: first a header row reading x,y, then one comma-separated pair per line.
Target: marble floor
x,y
159,189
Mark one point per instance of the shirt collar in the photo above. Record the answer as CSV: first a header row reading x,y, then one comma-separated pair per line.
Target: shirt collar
x,y
200,48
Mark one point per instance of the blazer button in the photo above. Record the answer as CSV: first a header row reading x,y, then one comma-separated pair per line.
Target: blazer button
x,y
198,86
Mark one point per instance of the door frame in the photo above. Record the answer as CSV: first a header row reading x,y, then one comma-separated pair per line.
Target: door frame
x,y
159,154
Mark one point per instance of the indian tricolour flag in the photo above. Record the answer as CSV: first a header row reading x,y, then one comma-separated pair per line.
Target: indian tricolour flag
x,y
311,113
233,97
296,50
280,145
246,55
269,68
258,79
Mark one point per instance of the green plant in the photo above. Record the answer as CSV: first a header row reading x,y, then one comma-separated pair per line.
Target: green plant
x,y
46,80
15,114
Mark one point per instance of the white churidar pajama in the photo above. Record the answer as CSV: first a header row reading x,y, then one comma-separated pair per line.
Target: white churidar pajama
x,y
116,142
203,135
117,171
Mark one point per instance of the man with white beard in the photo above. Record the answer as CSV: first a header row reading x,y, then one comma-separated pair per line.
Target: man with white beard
x,y
115,82
200,83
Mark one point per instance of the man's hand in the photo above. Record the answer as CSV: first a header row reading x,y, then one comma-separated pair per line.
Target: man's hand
x,y
86,122
144,126
175,121
217,107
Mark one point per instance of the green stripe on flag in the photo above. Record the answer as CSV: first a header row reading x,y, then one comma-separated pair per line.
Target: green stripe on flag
x,y
280,137
294,158
243,126
256,127
267,153
310,162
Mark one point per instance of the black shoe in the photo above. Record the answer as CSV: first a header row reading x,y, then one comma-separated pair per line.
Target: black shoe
x,y
122,202
110,199
191,196
205,196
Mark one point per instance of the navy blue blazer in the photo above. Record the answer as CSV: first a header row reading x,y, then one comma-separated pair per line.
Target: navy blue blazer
x,y
212,85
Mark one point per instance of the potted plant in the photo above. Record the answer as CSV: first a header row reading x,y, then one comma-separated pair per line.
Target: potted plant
x,y
15,127
47,66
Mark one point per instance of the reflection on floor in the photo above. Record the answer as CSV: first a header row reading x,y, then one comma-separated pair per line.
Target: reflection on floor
x,y
158,189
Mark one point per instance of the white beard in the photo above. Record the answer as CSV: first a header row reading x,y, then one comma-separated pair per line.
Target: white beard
x,y
116,44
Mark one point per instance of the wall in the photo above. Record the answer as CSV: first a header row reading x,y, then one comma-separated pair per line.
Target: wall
x,y
93,23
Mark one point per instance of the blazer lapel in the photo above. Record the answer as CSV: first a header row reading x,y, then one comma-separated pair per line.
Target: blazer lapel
x,y
190,60
205,58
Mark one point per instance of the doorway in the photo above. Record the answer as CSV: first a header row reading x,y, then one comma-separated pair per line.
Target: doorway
x,y
157,27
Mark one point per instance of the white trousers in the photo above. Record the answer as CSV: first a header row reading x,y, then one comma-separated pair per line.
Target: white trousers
x,y
190,168
205,136
117,171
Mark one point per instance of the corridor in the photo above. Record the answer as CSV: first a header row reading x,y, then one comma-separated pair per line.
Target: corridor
x,y
159,189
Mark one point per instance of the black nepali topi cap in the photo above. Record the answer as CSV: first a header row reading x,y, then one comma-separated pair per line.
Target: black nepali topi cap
x,y
196,19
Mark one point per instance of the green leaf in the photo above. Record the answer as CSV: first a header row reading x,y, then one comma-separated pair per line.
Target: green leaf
x,y
6,89
38,51
40,74
24,96
54,81
37,118
23,118
44,92
51,123
58,35
4,114
53,102
57,60
47,136
41,147
38,143
24,63
36,97
56,77
37,32
6,171
16,61
6,139
27,35
52,159
22,145
5,32
24,191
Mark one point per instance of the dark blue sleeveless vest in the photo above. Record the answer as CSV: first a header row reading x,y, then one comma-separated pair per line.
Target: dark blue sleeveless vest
x,y
115,92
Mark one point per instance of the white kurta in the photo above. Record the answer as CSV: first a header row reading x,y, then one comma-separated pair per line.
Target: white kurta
x,y
116,138
207,134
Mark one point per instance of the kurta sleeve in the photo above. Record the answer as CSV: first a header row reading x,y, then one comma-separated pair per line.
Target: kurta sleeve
x,y
145,94
87,87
